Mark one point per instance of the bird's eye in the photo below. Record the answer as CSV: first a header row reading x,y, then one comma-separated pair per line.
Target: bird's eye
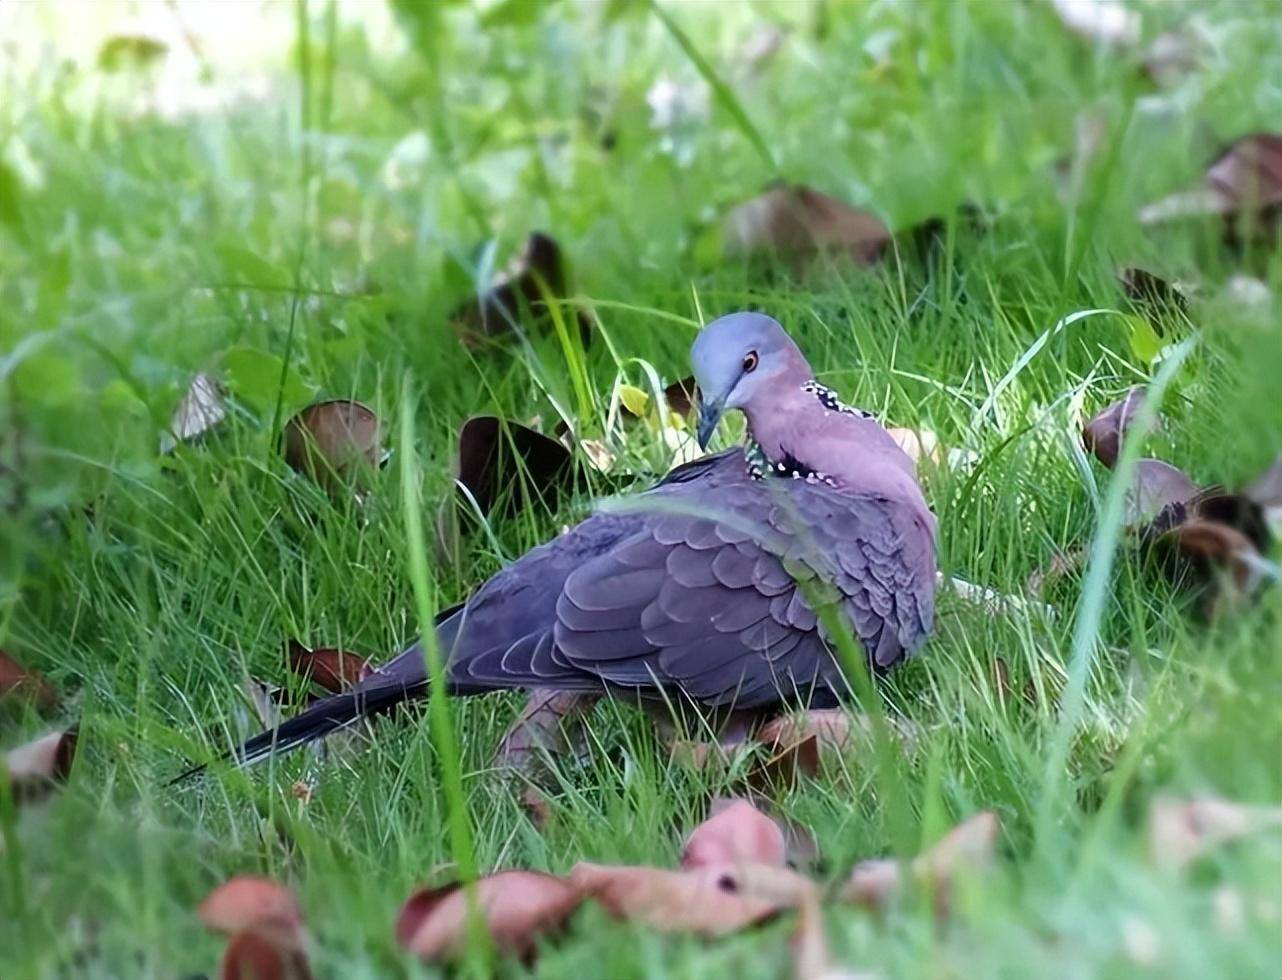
x,y
750,361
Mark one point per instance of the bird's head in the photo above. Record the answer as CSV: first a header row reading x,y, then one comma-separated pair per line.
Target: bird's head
x,y
738,361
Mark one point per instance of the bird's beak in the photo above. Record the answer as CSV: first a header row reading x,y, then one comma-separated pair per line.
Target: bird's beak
x,y
710,413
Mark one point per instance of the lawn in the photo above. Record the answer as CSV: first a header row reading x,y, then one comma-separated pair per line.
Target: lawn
x,y
297,205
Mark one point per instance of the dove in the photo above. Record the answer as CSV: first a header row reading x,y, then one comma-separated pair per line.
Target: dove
x,y
709,587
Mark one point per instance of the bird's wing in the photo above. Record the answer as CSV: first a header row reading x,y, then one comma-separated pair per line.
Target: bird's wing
x,y
707,584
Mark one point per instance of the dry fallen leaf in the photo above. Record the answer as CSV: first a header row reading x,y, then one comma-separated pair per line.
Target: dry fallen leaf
x,y
1151,291
254,955
500,461
967,848
330,441
538,272
517,907
1243,185
34,768
1181,831
18,683
705,901
1155,487
797,222
334,670
201,409
919,444
1104,433
735,832
249,902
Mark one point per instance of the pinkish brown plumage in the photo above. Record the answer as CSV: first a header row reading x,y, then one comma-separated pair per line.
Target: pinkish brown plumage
x,y
700,588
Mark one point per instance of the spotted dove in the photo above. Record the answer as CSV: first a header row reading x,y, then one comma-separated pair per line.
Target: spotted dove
x,y
705,586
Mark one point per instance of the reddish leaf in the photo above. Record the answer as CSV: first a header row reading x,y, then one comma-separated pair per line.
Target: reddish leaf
x,y
20,684
334,670
517,907
248,902
34,768
706,901
796,222
330,441
736,832
255,955
1104,433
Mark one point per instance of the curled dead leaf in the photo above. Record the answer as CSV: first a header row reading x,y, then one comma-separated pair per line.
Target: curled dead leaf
x,y
919,444
34,768
966,849
1155,487
508,463
201,409
735,832
798,222
519,294
1181,831
1243,185
705,901
1151,291
331,441
18,683
517,907
251,903
263,955
1104,433
334,670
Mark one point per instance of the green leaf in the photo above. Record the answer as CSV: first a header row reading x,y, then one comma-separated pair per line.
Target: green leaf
x,y
1145,343
128,52
634,400
248,268
48,378
254,376
10,192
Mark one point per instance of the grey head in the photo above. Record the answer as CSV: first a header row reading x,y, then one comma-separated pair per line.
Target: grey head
x,y
742,361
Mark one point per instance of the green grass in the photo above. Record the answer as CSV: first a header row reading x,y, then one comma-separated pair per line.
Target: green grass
x,y
136,250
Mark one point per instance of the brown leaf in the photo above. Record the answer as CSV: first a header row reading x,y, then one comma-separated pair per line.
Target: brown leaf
x,y
517,292
334,670
830,728
330,441
20,684
1181,831
1151,292
736,832
202,408
1104,433
517,907
682,396
706,901
1243,185
263,955
1216,556
967,848
251,903
33,769
873,883
795,221
1155,487
506,462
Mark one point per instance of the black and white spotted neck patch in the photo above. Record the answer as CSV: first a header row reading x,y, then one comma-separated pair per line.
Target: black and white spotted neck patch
x,y
828,398
761,466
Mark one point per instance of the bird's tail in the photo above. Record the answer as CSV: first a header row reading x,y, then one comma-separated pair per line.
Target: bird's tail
x,y
395,682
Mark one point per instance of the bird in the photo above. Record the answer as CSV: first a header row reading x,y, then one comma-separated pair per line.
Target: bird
x,y
710,586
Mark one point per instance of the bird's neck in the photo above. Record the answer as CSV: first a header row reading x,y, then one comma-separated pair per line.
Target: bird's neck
x,y
807,432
